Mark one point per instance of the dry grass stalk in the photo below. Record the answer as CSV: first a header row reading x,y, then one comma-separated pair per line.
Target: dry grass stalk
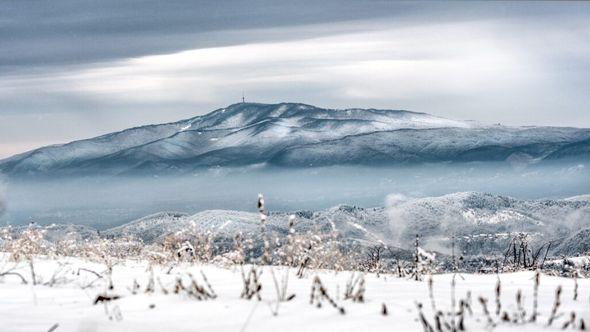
x,y
520,312
265,259
151,285
303,266
453,303
467,303
416,273
281,290
575,275
571,322
14,273
319,293
106,298
439,324
164,290
384,310
425,324
431,293
135,287
355,288
251,285
556,305
194,289
535,312
498,294
461,323
208,285
201,292
291,242
484,304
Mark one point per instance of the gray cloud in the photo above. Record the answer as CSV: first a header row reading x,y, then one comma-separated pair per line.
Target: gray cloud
x,y
42,33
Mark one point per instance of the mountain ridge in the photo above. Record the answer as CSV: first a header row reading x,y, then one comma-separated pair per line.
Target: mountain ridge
x,y
300,135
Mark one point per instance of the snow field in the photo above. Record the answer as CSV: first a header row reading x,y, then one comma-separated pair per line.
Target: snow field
x,y
69,301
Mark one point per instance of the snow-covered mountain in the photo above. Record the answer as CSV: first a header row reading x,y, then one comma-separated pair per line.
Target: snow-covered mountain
x,y
482,223
290,134
351,223
481,218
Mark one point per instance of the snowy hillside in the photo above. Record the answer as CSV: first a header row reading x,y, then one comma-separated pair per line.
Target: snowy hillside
x,y
351,223
466,215
292,134
471,213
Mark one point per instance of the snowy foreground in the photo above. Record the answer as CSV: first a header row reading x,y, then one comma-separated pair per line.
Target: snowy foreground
x,y
66,291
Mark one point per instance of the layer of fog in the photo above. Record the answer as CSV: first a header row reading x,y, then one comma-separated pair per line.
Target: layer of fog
x,y
104,202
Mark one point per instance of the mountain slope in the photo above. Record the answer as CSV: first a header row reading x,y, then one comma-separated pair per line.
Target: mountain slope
x,y
290,134
352,223
482,223
473,213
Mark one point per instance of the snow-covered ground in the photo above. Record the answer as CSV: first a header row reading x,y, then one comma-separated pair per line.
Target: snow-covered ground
x,y
69,301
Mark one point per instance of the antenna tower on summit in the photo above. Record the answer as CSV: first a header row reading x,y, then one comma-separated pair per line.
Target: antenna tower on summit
x,y
243,99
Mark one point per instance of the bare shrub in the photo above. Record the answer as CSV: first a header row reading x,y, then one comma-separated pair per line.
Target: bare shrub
x,y
26,246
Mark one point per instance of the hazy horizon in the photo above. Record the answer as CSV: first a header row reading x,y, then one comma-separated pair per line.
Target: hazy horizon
x,y
104,201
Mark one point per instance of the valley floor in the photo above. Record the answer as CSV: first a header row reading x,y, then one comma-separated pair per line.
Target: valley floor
x,y
66,290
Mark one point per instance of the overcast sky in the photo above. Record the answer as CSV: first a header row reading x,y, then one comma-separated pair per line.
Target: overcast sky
x,y
77,69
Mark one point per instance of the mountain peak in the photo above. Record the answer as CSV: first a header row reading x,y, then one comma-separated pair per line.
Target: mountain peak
x,y
295,134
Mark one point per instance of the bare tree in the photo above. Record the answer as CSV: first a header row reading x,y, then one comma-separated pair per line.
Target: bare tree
x,y
373,260
521,254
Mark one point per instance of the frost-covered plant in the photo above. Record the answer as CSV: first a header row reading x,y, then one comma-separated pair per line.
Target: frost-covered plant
x,y
265,258
288,251
69,245
291,243
156,254
194,289
26,246
285,256
186,251
423,261
520,253
402,268
374,261
323,251
233,257
239,249
281,289
355,288
251,285
189,245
